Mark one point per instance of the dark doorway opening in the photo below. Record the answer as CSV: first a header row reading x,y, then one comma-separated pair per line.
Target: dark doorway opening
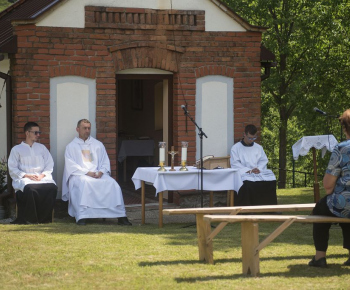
x,y
144,112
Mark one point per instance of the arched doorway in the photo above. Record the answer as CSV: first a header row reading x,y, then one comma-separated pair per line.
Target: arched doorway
x,y
144,112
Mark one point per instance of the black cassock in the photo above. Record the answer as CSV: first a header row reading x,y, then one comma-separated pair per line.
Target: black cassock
x,y
256,193
35,203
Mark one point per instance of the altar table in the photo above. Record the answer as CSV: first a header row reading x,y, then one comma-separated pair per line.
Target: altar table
x,y
134,148
213,180
302,147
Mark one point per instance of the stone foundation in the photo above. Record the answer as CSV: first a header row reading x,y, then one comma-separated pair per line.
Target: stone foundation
x,y
193,198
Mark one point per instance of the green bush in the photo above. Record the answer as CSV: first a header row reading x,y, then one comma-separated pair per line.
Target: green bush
x,y
3,173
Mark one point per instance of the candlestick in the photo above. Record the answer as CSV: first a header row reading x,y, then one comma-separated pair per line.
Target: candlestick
x,y
162,146
184,146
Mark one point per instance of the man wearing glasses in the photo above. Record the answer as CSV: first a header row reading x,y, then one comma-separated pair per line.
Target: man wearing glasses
x,y
259,183
30,166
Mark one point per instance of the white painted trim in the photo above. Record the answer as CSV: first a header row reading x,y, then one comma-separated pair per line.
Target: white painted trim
x,y
83,91
218,119
4,68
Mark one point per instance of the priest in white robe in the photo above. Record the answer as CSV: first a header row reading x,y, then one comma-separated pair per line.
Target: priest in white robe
x,y
259,183
30,166
87,184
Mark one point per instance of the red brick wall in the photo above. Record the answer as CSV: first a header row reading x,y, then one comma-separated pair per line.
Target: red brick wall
x,y
118,39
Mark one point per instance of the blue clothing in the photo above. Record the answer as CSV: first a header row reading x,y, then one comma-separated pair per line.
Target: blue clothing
x,y
339,165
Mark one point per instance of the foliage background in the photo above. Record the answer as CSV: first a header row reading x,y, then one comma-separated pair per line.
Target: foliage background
x,y
311,41
4,4
3,172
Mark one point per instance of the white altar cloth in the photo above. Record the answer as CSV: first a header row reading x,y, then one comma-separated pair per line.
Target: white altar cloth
x,y
213,180
323,142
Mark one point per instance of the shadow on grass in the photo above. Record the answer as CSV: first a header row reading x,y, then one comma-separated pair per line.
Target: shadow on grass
x,y
169,263
296,234
234,260
229,238
336,270
300,270
180,236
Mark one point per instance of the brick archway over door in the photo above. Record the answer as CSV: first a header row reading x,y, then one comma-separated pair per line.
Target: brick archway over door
x,y
146,55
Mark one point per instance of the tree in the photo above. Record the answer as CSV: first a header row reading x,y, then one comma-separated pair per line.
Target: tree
x,y
4,4
311,42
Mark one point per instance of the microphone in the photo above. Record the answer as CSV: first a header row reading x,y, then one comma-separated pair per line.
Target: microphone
x,y
319,111
184,108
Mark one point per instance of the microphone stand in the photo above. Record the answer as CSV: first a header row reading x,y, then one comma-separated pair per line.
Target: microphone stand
x,y
200,134
328,126
341,128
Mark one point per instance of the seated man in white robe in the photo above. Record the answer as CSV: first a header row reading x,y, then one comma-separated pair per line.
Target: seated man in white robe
x,y
259,183
30,166
87,184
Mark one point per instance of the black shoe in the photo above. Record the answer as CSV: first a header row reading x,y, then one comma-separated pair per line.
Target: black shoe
x,y
81,222
123,221
347,263
19,222
321,263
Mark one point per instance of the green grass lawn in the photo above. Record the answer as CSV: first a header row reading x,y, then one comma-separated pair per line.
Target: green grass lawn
x,y
104,256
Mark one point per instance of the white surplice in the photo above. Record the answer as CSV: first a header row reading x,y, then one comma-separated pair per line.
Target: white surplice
x,y
90,197
245,158
25,159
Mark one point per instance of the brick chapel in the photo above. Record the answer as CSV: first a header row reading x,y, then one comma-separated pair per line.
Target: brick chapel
x,y
128,67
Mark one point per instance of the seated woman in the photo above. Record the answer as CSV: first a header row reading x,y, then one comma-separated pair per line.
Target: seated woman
x,y
337,201
259,183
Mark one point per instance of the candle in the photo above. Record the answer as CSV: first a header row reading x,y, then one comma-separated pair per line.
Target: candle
x,y
184,153
184,145
162,154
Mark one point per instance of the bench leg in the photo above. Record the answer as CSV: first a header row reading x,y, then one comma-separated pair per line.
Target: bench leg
x,y
203,230
250,241
231,198
160,194
143,219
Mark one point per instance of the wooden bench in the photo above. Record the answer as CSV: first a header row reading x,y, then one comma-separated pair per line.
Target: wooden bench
x,y
250,233
204,234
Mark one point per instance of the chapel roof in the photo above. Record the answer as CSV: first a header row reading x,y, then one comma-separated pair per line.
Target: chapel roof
x,y
23,10
20,10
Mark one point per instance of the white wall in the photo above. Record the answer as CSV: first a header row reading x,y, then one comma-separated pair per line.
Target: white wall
x,y
71,13
4,68
214,114
71,99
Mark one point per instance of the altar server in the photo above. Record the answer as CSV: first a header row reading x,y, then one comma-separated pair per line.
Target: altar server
x,y
249,158
30,166
87,184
